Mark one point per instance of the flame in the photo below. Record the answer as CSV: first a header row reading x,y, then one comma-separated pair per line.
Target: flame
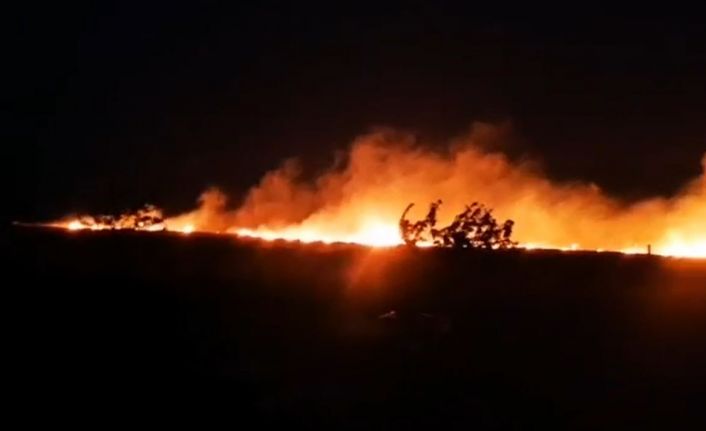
x,y
187,229
374,233
360,199
75,225
148,218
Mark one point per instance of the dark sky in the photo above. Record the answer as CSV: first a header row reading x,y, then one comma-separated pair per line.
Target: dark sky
x,y
118,103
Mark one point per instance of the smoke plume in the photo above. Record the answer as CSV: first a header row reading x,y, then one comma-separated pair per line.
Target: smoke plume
x,y
385,170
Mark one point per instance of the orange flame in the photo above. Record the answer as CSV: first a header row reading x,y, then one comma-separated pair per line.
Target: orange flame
x,y
361,200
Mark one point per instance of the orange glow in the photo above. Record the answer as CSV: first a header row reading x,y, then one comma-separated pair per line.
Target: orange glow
x,y
75,225
360,199
187,229
85,223
148,218
685,249
375,233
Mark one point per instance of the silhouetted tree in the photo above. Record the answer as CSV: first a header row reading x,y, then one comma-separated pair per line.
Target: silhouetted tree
x,y
475,227
412,233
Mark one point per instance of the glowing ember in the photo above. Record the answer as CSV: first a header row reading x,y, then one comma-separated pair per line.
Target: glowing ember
x,y
187,229
684,249
375,234
360,201
148,218
75,225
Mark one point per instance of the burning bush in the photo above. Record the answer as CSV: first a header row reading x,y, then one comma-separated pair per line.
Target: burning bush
x,y
148,218
475,227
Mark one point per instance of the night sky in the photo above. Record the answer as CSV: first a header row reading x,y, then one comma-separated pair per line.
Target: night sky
x,y
119,103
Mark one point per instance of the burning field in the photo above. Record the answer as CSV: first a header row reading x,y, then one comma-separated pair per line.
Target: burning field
x,y
322,215
361,197
297,303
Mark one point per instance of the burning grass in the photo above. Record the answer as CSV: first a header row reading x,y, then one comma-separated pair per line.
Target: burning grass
x,y
360,200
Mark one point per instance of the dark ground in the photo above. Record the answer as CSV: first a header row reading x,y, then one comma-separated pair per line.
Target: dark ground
x,y
113,325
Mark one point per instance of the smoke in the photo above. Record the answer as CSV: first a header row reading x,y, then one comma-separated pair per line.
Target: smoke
x,y
211,215
385,170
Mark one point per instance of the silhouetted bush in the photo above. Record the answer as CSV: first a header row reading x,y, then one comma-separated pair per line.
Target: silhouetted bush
x,y
412,233
148,217
475,227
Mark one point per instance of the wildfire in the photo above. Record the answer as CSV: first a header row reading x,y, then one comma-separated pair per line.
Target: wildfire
x,y
361,200
187,229
374,234
76,225
148,218
378,234
90,223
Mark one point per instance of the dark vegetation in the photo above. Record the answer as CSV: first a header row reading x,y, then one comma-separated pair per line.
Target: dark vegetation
x,y
475,227
140,219
110,326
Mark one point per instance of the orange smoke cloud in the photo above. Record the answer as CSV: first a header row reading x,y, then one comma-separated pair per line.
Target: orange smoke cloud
x,y
362,200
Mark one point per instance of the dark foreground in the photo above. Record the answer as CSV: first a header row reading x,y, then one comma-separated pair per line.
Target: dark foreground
x,y
117,325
